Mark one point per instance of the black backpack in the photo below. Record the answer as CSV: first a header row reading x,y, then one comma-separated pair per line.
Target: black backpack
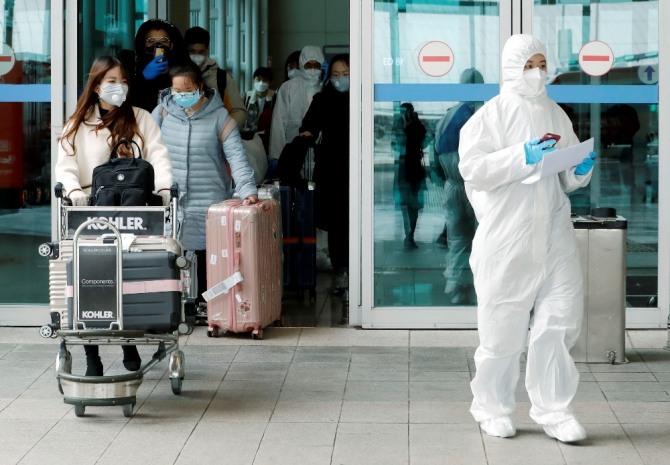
x,y
127,182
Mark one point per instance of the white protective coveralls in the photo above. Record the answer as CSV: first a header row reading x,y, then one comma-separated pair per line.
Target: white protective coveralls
x,y
524,253
293,100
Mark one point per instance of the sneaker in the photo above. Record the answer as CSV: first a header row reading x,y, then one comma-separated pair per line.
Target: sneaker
x,y
566,431
501,427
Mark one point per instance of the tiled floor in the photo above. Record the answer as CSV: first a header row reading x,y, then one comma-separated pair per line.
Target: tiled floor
x,y
324,396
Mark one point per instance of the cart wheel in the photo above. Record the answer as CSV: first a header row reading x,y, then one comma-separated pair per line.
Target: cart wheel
x,y
128,410
79,409
185,328
46,331
257,335
176,385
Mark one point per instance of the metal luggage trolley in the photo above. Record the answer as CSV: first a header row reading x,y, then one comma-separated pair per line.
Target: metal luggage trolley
x,y
90,245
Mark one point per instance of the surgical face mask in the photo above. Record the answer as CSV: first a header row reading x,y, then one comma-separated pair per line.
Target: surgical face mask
x,y
197,58
114,94
186,99
535,79
260,86
340,83
313,74
292,73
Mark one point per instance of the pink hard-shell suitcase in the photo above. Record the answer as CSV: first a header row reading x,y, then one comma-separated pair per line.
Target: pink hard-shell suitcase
x,y
244,269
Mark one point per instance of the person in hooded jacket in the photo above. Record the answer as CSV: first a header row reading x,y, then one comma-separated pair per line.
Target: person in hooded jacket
x,y
197,43
524,254
293,99
328,114
158,45
201,136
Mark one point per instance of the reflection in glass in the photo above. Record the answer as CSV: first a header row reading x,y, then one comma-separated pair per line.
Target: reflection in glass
x,y
626,174
25,169
419,259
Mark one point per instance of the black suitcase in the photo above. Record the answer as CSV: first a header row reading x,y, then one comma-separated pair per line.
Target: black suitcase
x,y
299,231
152,294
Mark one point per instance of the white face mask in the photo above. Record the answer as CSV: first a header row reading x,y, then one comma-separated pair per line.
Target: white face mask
x,y
197,58
535,79
292,73
260,86
313,75
114,94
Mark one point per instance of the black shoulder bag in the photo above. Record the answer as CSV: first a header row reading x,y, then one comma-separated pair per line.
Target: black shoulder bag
x,y
127,182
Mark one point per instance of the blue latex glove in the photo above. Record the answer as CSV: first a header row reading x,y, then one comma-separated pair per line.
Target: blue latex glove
x,y
155,68
586,165
535,150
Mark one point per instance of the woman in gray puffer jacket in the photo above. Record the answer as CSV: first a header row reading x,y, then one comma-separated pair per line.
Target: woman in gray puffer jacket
x,y
201,137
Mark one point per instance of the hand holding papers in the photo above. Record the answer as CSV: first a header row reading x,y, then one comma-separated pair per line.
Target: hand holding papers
x,y
561,160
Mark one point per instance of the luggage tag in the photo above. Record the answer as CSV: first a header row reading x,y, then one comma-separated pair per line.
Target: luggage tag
x,y
223,287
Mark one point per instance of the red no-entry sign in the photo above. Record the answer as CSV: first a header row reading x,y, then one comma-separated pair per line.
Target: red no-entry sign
x,y
6,59
436,59
596,58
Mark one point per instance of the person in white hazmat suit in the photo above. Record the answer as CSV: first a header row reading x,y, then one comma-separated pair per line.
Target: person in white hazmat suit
x,y
293,100
524,253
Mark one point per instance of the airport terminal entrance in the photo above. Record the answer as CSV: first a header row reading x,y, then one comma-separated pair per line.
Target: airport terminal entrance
x,y
444,59
433,56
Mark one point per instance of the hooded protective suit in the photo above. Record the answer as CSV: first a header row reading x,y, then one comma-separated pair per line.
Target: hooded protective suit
x,y
524,253
293,99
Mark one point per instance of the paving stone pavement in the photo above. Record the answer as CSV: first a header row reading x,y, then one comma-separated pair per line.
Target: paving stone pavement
x,y
340,396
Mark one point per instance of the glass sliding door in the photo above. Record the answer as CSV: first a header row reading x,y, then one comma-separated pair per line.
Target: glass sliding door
x,y
434,65
25,156
604,71
441,61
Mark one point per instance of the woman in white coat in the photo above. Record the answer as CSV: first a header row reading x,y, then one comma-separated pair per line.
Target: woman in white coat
x,y
524,254
103,117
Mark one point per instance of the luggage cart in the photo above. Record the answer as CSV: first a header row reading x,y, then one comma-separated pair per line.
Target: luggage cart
x,y
94,309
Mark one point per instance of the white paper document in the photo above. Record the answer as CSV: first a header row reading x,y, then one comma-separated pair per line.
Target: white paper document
x,y
561,160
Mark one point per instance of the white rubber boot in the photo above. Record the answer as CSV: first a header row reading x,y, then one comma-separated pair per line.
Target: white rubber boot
x,y
566,431
501,427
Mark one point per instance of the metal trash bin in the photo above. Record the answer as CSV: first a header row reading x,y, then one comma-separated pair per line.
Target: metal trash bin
x,y
601,238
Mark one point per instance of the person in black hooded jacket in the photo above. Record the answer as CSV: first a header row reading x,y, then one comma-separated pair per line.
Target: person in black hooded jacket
x,y
158,46
328,114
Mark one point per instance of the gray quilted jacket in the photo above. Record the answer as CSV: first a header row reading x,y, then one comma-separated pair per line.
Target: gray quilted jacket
x,y
198,161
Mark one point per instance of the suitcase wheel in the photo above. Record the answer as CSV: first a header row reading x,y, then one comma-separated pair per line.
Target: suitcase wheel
x,y
257,334
213,332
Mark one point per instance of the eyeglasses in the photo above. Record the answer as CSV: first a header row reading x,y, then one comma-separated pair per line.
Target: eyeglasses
x,y
189,94
151,41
